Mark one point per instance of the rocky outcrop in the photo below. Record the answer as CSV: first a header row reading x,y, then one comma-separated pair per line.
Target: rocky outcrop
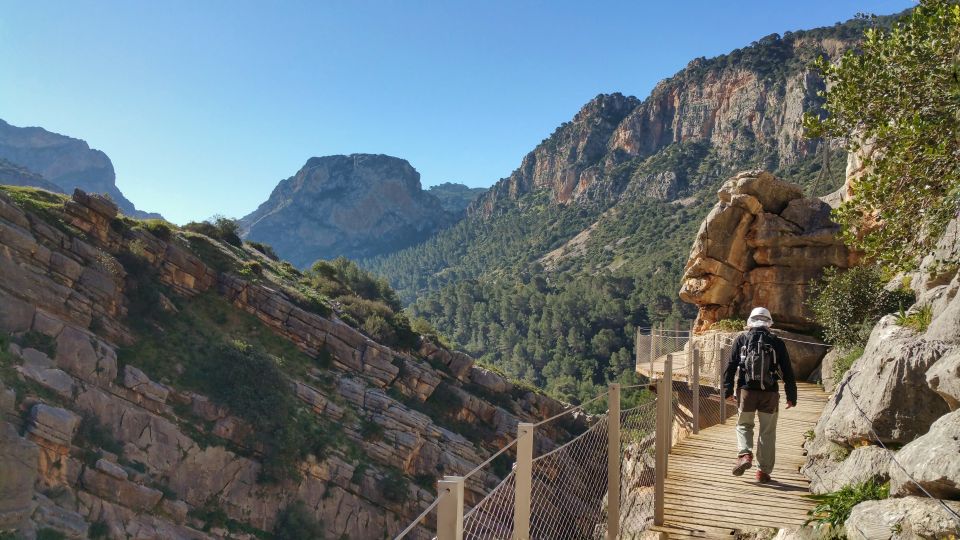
x,y
718,104
63,161
181,451
455,198
901,519
931,462
761,245
17,476
355,206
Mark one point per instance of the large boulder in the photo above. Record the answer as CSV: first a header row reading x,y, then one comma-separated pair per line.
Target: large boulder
x,y
902,519
885,394
862,465
932,461
944,378
762,244
53,424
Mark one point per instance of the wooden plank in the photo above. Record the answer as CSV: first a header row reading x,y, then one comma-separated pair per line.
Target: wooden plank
x,y
703,500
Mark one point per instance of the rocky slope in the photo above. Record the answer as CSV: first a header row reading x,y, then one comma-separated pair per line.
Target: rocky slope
x,y
104,429
63,161
355,206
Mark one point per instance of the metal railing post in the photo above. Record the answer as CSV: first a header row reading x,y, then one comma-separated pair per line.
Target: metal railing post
x,y
524,482
694,384
653,350
662,439
613,463
450,509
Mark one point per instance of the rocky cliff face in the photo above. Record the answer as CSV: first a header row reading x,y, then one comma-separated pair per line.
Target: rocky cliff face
x,y
745,108
168,462
763,244
893,416
66,162
455,198
356,206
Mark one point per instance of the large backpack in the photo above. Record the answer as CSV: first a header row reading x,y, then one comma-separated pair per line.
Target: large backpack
x,y
758,361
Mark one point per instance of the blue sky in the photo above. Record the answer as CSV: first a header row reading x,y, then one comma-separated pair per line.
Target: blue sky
x,y
204,106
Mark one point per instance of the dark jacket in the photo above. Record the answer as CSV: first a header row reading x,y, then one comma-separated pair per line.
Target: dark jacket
x,y
783,360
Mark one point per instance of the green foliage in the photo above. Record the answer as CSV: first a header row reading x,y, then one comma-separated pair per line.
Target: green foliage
x,y
218,227
848,303
729,325
918,320
46,204
395,486
899,93
834,508
266,249
297,522
200,348
91,434
36,340
845,361
50,534
159,228
99,530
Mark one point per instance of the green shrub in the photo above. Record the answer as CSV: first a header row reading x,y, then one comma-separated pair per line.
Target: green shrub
x,y
395,486
845,361
729,325
846,304
296,522
36,340
898,89
370,430
218,227
917,320
92,434
50,534
98,530
159,228
266,249
834,508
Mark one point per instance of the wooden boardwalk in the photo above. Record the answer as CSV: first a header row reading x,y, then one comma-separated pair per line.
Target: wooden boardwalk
x,y
704,500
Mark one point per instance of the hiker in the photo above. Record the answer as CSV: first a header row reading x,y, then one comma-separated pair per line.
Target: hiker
x,y
762,359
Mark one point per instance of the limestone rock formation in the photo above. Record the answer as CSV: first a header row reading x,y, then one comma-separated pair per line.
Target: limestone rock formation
x,y
176,451
356,206
864,464
713,104
901,519
932,461
62,161
761,245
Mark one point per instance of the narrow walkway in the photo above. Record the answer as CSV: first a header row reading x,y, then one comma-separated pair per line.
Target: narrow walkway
x,y
704,500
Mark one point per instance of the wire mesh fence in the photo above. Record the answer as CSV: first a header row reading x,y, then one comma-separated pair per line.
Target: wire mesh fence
x,y
492,517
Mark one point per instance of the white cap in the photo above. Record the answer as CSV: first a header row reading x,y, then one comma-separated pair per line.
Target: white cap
x,y
759,318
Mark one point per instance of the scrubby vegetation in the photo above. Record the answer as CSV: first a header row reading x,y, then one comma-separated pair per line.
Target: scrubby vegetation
x,y
833,509
918,319
296,522
898,96
848,303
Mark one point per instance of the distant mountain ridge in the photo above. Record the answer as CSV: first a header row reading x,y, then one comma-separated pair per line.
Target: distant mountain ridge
x,y
454,197
357,206
63,161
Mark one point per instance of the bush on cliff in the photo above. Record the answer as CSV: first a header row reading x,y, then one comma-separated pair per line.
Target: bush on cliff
x,y
899,93
846,304
218,227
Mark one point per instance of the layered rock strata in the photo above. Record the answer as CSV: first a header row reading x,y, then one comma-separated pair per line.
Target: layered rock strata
x,y
66,284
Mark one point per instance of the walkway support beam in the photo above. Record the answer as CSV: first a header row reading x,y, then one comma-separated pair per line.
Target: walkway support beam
x,y
524,482
720,364
450,509
663,436
613,463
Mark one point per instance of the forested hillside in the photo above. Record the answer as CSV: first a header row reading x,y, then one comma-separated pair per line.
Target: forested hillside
x,y
556,266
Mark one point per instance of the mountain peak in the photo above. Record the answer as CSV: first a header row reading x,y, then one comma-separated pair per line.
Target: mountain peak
x,y
357,205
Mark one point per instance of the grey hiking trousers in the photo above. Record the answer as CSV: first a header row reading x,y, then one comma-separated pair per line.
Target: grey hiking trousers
x,y
766,405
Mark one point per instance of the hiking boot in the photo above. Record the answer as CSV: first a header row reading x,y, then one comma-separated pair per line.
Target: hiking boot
x,y
763,477
744,462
